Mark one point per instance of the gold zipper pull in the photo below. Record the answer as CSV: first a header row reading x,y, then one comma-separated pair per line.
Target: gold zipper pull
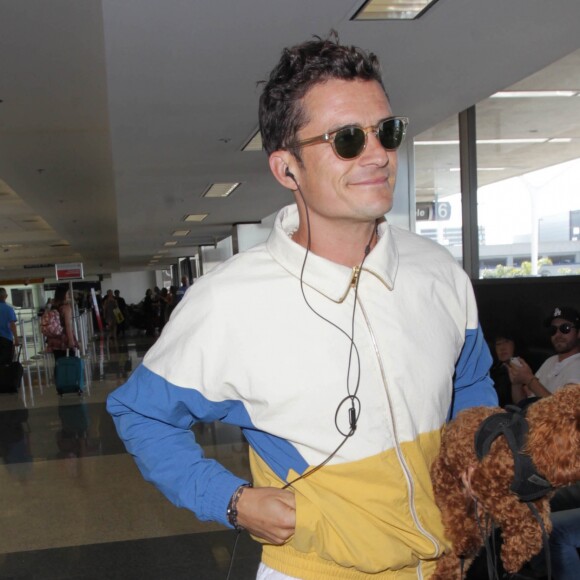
x,y
355,273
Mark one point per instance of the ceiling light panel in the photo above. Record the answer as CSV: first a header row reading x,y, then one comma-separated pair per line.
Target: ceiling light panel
x,y
180,233
533,94
221,189
255,143
393,9
195,217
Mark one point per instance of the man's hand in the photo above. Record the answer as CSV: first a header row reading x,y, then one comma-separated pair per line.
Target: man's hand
x,y
268,513
466,479
520,374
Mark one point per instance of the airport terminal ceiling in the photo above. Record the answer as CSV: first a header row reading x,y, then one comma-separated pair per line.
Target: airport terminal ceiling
x,y
116,117
530,125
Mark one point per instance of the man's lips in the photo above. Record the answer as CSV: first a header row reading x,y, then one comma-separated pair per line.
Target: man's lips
x,y
376,180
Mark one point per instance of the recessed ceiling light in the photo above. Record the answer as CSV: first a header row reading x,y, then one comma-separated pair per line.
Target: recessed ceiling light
x,y
532,94
508,141
560,140
255,143
442,142
180,233
195,217
491,141
393,9
170,244
220,189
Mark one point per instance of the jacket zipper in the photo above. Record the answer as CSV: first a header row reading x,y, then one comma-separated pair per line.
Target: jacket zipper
x,y
355,275
401,458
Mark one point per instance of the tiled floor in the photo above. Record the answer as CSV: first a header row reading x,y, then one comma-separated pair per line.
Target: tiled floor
x,y
72,503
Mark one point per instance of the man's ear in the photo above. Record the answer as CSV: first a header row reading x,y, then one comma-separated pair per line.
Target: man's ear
x,y
281,164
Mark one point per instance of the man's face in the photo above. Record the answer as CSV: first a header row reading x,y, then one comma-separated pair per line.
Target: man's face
x,y
352,190
564,343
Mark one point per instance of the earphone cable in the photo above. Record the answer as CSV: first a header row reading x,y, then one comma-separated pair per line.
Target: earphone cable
x,y
354,414
238,534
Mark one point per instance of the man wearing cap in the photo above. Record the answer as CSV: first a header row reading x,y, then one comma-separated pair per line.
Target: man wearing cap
x,y
558,370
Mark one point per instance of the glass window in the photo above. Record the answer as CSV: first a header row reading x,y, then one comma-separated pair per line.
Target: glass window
x,y
438,186
528,157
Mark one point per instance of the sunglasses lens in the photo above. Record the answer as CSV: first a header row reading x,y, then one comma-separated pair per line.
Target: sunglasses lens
x,y
391,133
563,328
349,142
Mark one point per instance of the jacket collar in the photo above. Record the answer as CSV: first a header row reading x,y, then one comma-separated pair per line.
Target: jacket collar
x,y
330,279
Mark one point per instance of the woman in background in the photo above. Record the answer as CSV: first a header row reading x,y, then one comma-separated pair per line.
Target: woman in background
x,y
59,345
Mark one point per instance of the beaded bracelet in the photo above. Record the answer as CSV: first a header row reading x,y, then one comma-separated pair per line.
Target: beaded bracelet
x,y
232,511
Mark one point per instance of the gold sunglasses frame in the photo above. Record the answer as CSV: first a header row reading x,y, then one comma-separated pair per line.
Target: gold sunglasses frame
x,y
331,136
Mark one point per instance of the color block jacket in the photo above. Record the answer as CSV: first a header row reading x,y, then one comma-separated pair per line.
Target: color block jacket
x,y
245,347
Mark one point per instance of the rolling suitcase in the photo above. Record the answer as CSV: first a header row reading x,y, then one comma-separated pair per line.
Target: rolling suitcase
x,y
69,375
11,374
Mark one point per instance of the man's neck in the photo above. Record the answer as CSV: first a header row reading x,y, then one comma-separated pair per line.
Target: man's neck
x,y
564,355
347,246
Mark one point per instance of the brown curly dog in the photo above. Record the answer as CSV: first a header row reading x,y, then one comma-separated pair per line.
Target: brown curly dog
x,y
553,443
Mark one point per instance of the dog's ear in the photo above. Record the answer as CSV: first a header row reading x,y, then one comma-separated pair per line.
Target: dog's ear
x,y
554,438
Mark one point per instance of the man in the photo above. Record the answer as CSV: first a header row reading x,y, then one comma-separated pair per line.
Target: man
x,y
121,326
558,370
8,333
180,293
334,346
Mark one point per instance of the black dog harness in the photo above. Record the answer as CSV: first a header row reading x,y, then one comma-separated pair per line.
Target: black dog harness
x,y
528,484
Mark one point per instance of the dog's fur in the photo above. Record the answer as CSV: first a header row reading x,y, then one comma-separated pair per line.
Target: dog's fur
x,y
554,445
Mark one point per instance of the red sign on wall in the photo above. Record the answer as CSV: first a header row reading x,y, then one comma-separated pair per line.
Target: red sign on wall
x,y
72,271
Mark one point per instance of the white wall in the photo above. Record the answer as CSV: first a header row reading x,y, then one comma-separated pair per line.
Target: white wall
x,y
132,285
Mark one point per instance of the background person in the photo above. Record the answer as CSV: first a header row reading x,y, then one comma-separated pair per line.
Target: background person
x,y
505,347
8,331
180,292
338,346
109,307
122,304
558,370
59,345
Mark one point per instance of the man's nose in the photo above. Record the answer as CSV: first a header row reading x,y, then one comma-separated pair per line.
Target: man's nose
x,y
374,149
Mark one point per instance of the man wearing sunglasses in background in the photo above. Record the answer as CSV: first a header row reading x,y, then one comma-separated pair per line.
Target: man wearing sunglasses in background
x,y
558,370
340,346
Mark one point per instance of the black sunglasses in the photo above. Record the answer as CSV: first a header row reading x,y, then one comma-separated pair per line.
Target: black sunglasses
x,y
563,328
349,142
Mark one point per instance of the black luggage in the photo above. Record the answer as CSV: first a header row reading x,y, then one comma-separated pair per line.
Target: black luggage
x,y
11,374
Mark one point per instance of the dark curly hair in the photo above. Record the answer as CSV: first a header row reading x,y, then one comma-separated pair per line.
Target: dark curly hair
x,y
299,69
